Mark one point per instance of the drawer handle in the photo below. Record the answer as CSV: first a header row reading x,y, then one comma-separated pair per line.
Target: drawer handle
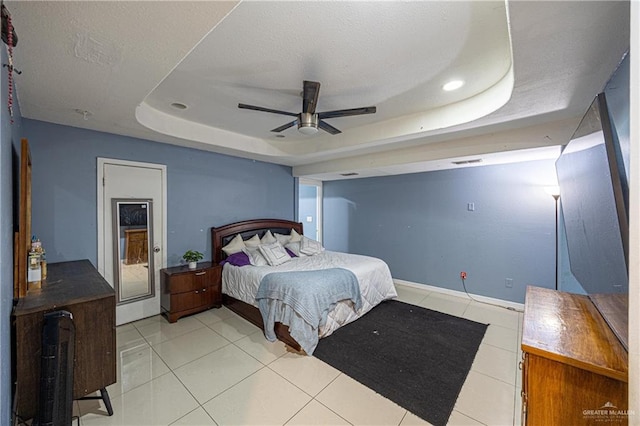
x,y
201,273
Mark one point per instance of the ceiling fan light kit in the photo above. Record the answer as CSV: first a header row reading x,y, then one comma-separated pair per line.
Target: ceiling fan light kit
x,y
308,121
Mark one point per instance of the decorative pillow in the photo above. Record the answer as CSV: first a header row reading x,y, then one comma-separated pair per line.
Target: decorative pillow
x,y
253,241
295,249
310,247
237,259
274,253
255,257
236,245
268,238
295,237
282,239
292,254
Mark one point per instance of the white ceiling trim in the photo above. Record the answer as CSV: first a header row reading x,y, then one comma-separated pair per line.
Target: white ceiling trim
x,y
427,157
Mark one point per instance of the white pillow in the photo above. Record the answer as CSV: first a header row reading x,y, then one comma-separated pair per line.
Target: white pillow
x,y
295,248
253,241
274,253
310,247
268,238
295,237
255,257
236,245
282,239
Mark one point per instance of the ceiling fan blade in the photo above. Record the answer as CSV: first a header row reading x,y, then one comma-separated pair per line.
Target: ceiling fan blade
x,y
285,126
310,96
328,127
346,112
274,111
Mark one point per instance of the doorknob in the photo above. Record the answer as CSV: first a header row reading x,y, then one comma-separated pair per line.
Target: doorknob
x,y
156,249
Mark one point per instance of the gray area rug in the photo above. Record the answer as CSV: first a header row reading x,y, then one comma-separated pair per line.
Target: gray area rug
x,y
414,356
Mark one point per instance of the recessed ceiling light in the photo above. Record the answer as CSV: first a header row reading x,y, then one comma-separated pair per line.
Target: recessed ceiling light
x,y
178,105
453,85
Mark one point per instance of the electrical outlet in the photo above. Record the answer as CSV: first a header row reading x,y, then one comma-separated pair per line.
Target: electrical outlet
x,y
463,275
508,282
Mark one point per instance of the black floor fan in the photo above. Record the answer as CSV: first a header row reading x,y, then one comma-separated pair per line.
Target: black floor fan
x,y
55,403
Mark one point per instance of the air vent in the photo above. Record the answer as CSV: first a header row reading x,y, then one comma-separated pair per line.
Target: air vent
x,y
474,161
349,174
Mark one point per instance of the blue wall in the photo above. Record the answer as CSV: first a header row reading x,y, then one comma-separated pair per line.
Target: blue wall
x,y
9,149
421,226
203,189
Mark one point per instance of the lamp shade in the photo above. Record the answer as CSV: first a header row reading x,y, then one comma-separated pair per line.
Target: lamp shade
x,y
554,191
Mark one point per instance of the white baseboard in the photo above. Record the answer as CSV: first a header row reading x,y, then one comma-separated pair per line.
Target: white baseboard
x,y
504,303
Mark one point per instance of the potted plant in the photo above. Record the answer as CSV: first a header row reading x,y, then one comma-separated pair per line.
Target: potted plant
x,y
192,256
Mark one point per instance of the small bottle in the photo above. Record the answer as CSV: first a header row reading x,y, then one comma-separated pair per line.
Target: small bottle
x,y
34,271
43,264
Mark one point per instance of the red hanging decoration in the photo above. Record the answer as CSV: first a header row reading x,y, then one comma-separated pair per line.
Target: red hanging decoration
x,y
10,66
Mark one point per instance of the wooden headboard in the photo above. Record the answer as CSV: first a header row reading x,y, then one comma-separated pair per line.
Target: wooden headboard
x,y
220,236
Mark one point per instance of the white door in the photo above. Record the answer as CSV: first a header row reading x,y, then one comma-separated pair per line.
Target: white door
x,y
118,179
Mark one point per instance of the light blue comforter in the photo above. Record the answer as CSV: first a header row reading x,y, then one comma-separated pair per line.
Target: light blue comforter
x,y
302,300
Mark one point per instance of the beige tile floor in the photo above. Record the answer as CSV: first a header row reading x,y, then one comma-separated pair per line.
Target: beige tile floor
x,y
216,368
135,280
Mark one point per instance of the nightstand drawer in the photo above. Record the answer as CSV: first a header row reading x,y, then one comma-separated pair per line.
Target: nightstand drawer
x,y
190,281
192,299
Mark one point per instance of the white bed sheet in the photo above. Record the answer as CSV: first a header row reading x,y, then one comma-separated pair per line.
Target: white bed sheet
x,y
374,279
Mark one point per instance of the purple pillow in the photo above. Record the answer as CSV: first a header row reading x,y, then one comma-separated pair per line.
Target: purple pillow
x,y
292,254
237,259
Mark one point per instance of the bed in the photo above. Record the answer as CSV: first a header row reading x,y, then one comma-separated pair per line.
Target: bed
x,y
240,284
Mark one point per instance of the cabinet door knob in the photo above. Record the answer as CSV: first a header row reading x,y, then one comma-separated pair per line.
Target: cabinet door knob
x,y
156,249
197,291
204,289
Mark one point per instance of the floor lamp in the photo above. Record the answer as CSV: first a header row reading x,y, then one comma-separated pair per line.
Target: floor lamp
x,y
554,191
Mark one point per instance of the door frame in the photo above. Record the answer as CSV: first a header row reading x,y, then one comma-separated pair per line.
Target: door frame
x,y
319,218
100,206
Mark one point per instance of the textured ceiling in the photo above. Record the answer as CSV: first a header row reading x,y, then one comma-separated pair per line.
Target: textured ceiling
x,y
531,69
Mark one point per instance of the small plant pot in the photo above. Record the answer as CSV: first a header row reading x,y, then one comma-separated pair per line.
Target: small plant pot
x,y
193,265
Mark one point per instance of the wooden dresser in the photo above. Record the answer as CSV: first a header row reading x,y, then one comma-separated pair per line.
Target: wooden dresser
x,y
187,291
76,287
574,369
135,246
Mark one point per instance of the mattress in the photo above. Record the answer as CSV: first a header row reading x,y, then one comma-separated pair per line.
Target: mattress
x,y
374,280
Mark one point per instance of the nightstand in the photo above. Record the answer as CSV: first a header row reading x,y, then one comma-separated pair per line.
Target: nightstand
x,y
187,291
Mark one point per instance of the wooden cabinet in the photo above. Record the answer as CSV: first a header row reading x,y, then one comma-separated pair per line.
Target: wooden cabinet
x,y
135,246
186,291
574,369
76,287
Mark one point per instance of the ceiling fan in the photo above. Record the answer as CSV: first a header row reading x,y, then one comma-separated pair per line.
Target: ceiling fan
x,y
309,120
